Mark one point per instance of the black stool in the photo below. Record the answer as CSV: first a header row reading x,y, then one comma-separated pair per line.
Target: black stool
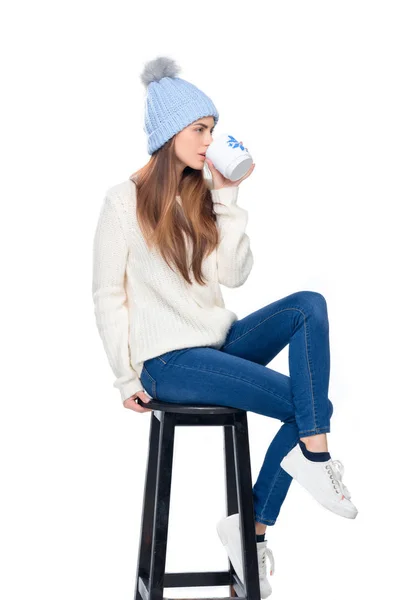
x,y
151,578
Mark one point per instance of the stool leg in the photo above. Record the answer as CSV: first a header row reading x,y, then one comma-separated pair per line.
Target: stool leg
x,y
231,487
230,475
246,506
146,534
161,516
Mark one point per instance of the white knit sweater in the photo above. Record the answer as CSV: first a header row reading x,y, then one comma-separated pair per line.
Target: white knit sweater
x,y
142,307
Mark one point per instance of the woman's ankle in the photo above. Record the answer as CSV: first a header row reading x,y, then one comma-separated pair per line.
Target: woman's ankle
x,y
260,528
316,443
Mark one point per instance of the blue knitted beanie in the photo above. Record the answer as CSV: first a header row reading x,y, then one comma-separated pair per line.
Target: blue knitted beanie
x,y
171,102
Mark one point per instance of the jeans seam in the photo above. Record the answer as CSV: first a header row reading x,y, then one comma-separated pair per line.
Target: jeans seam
x,y
316,430
278,473
233,377
270,491
309,369
306,338
261,520
258,324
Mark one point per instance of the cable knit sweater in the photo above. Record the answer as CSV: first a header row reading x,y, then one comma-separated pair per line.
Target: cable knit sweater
x,y
142,307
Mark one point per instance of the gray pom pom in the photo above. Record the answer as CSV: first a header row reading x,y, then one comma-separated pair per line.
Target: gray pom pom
x,y
156,69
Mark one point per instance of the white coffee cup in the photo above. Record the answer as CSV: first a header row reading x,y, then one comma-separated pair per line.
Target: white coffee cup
x,y
229,156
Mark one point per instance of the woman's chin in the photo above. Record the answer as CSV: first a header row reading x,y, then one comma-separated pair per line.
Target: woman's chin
x,y
197,165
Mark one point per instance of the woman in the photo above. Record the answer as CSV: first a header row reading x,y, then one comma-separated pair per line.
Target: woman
x,y
165,241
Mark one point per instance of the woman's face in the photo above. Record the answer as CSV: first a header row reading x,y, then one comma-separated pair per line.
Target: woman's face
x,y
192,141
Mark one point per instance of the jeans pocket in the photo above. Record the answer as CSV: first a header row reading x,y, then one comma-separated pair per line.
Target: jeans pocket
x,y
148,382
167,356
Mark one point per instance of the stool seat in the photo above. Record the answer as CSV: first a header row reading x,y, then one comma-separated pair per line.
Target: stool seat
x,y
203,409
151,578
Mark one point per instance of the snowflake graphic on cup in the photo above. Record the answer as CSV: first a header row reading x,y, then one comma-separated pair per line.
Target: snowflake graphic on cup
x,y
233,143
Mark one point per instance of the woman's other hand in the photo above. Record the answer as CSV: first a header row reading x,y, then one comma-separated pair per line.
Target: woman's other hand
x,y
132,404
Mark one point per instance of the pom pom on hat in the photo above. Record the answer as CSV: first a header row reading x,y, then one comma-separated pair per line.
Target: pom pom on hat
x,y
160,67
171,102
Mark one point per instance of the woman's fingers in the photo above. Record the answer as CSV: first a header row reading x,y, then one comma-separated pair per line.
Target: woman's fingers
x,y
132,404
135,406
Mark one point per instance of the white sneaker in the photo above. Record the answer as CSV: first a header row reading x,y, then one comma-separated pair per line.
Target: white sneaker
x,y
228,530
321,479
263,552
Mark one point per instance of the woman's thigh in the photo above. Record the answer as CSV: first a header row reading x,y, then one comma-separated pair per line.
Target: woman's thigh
x,y
204,375
261,335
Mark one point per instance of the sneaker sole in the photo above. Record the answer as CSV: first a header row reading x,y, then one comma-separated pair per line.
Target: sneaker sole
x,y
335,508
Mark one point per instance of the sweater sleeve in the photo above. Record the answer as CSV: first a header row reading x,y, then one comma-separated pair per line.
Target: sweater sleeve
x,y
234,256
110,254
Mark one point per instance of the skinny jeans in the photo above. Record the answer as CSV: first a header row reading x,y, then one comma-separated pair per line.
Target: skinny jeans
x,y
237,375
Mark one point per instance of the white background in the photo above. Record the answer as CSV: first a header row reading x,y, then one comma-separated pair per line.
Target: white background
x,y
312,89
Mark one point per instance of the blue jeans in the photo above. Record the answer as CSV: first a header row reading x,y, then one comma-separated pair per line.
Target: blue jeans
x,y
236,375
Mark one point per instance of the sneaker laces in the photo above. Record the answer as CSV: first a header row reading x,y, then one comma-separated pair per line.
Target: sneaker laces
x,y
263,551
336,470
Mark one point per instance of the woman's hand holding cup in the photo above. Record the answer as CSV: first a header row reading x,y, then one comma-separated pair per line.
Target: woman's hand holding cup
x,y
220,181
229,161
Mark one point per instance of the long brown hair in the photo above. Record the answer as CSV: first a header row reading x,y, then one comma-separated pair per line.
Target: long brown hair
x,y
164,222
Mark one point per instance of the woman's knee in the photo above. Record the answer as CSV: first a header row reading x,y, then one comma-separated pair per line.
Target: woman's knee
x,y
312,298
313,303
